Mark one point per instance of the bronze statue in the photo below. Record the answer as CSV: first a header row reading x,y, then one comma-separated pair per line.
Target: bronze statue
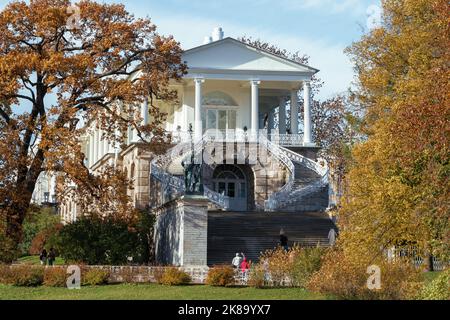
x,y
193,177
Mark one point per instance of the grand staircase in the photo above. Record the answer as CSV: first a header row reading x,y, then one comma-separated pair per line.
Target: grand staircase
x,y
252,233
306,190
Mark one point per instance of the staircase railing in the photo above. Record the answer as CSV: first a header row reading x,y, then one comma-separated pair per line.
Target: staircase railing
x,y
288,194
321,170
176,185
275,200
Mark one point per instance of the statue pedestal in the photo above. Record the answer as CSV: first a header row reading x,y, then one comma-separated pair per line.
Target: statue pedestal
x,y
195,231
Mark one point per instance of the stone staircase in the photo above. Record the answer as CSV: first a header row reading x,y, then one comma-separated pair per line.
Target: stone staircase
x,y
253,233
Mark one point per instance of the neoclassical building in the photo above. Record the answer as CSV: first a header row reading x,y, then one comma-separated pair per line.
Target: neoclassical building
x,y
238,117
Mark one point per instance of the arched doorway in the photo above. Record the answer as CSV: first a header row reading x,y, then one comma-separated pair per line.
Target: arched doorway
x,y
231,181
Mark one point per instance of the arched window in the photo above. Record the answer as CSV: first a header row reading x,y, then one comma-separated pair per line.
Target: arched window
x,y
227,172
218,98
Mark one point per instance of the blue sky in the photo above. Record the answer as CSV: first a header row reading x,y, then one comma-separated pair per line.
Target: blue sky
x,y
321,29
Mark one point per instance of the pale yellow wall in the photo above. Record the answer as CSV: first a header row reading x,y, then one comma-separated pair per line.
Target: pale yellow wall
x,y
183,115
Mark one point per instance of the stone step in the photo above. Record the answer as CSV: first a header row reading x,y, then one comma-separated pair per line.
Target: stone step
x,y
252,233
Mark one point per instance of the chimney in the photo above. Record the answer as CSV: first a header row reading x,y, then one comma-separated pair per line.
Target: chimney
x,y
217,34
208,39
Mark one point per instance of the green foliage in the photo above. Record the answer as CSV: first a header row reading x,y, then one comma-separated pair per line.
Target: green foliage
x,y
438,289
174,277
104,242
220,276
95,277
8,249
305,263
55,277
38,222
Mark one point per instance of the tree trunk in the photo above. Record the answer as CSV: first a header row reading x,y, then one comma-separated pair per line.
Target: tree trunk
x,y
430,264
15,215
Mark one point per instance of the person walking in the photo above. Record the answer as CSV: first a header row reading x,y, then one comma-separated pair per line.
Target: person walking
x,y
284,240
237,261
245,266
43,257
51,257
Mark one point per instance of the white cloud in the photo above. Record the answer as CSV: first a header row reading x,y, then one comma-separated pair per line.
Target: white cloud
x,y
328,6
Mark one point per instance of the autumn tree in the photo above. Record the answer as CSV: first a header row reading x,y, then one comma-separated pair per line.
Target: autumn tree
x,y
399,186
62,70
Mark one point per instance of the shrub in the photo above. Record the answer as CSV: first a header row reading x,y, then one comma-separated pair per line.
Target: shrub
x,y
174,277
220,276
306,261
438,289
99,242
293,267
5,274
25,276
55,277
158,274
346,277
95,277
257,276
278,263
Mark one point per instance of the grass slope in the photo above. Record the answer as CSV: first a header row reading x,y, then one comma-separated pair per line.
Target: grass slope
x,y
154,292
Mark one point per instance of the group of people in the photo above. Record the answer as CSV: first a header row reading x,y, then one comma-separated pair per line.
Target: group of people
x,y
240,261
47,257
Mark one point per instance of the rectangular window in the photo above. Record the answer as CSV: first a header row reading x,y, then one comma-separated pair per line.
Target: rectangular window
x,y
232,119
222,188
232,190
220,119
212,119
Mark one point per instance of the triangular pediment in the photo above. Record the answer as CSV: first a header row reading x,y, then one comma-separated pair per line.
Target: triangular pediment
x,y
231,54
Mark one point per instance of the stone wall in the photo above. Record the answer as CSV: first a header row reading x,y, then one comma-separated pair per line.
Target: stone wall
x,y
135,160
168,233
181,232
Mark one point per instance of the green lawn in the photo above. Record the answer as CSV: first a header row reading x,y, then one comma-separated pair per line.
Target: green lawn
x,y
34,260
154,292
430,276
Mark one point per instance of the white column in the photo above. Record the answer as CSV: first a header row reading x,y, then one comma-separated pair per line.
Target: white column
x,y
105,146
198,126
282,116
101,145
52,191
144,112
307,113
294,112
96,146
255,106
91,150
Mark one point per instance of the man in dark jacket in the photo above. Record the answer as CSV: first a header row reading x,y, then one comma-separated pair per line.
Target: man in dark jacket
x,y
284,240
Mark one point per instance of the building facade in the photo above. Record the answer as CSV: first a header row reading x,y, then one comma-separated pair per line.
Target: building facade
x,y
237,118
